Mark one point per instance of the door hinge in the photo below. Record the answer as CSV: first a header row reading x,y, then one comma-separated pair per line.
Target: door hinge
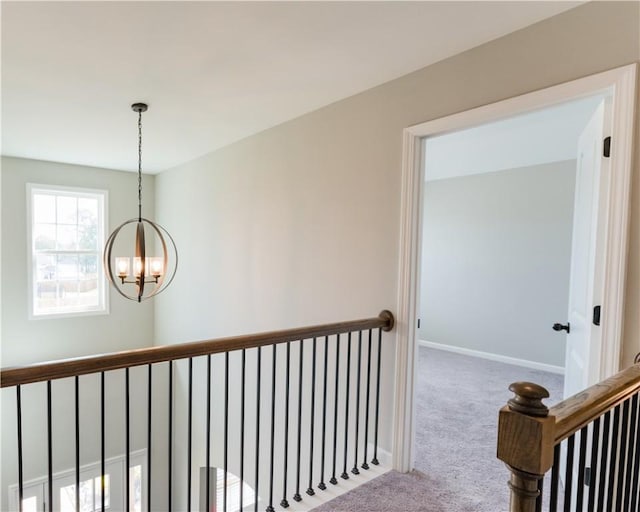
x,y
596,315
606,147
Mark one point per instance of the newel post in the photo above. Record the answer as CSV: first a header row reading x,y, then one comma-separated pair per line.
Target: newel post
x,y
525,443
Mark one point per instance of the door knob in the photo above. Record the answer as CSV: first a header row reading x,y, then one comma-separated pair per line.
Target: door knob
x,y
560,327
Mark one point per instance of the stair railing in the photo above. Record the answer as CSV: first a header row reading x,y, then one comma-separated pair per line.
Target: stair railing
x,y
590,444
287,411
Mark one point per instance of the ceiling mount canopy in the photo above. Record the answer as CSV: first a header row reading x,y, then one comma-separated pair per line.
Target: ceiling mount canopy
x,y
154,262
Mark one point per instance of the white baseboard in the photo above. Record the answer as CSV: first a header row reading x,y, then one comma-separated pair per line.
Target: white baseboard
x,y
494,357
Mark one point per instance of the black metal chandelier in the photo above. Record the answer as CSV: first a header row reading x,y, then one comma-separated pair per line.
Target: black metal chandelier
x,y
145,274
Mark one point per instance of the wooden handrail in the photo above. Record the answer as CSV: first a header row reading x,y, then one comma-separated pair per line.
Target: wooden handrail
x,y
113,361
574,413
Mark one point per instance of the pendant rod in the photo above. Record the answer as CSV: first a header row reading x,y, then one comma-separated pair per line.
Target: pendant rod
x,y
139,165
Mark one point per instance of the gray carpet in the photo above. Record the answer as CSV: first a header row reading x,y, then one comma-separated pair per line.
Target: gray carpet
x,y
458,398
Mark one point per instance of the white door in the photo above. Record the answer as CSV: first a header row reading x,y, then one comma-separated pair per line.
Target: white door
x,y
583,350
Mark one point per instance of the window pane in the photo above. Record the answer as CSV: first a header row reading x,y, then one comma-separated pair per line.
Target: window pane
x,y
44,208
87,210
135,486
68,498
86,496
67,238
67,267
67,210
88,237
44,237
30,504
88,265
45,267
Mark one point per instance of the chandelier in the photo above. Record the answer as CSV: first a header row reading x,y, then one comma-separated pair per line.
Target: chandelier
x,y
152,265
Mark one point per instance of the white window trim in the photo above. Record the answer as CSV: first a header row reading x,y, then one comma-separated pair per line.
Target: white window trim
x,y
102,281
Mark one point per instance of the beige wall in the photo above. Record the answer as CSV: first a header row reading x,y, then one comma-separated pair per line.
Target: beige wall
x,y
300,223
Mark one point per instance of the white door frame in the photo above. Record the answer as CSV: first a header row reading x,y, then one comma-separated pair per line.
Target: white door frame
x,y
621,84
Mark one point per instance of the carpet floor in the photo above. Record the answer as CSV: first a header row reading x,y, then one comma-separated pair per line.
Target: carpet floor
x,y
458,398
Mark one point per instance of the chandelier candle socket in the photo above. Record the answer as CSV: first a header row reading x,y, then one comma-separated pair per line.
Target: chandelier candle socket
x,y
151,274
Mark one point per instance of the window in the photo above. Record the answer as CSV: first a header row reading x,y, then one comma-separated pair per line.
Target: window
x,y
90,495
67,234
36,492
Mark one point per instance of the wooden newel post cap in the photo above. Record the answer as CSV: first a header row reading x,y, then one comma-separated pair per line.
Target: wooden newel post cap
x,y
387,316
528,399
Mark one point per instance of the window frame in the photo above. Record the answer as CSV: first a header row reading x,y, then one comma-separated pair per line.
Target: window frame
x,y
103,287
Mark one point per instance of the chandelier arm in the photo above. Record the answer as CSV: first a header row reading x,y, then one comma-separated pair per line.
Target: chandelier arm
x,y
162,232
107,259
141,250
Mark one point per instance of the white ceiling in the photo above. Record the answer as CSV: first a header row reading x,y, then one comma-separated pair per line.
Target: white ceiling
x,y
544,136
212,72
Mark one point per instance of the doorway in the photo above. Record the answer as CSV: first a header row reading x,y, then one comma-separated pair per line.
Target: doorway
x,y
496,262
613,213
498,221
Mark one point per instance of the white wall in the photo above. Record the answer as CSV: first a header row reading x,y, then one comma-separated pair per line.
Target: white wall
x,y
127,326
496,259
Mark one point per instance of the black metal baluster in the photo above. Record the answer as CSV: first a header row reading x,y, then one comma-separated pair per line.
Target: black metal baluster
x,y
19,418
102,443
582,464
615,435
189,433
377,418
593,471
322,486
273,427
555,478
634,455
149,411
344,474
77,418
127,441
310,490
226,430
635,498
365,465
170,447
284,503
623,452
297,496
604,459
355,470
242,393
208,433
258,386
333,479
50,447
568,477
